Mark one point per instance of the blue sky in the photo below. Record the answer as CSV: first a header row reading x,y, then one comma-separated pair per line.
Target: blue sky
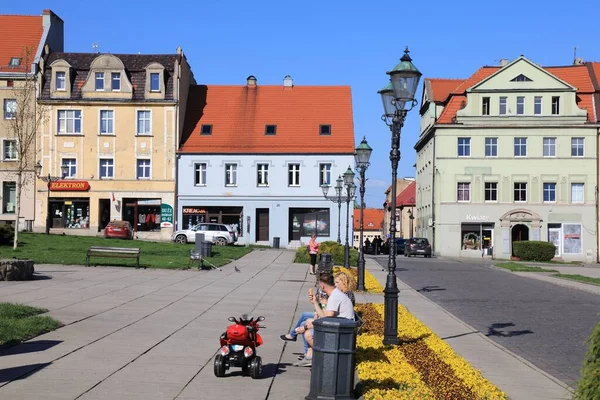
x,y
335,43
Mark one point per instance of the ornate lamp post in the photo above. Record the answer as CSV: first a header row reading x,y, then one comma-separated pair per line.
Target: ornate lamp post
x,y
49,179
350,190
336,199
398,99
362,154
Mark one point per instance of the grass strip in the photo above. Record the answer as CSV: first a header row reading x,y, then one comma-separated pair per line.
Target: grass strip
x,y
515,267
19,323
578,278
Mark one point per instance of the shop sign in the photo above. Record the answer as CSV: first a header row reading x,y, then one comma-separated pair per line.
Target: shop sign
x,y
74,186
149,202
477,217
166,216
193,210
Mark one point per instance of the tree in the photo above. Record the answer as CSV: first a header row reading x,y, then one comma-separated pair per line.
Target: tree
x,y
21,129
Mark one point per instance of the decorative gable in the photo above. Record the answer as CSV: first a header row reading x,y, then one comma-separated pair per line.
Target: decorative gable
x,y
105,69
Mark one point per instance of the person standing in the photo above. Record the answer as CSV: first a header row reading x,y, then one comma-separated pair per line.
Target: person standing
x,y
313,249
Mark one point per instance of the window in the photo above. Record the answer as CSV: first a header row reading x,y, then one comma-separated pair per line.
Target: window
x,y
464,191
71,164
99,81
154,82
520,105
325,130
206,130
520,191
293,174
549,147
230,174
464,147
15,62
106,122
577,193
9,197
200,174
306,221
10,108
555,105
262,178
549,192
537,105
521,78
143,169
502,110
270,130
577,147
9,150
324,174
491,191
572,238
520,147
491,147
61,79
144,119
69,121
485,106
107,166
115,81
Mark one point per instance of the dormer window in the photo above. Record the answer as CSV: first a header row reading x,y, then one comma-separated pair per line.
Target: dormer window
x,y
154,82
15,62
99,81
60,80
325,130
115,81
521,78
270,130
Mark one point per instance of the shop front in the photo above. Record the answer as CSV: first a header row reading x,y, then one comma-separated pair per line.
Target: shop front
x,y
72,212
303,222
476,236
147,215
193,215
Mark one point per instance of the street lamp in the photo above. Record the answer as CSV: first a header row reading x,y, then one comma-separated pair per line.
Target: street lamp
x,y
362,154
350,190
336,199
398,99
411,217
49,179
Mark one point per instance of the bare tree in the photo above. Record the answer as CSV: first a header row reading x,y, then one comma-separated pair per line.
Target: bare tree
x,y
21,129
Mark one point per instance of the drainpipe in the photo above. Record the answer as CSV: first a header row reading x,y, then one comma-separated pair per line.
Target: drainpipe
x,y
433,242
596,195
178,110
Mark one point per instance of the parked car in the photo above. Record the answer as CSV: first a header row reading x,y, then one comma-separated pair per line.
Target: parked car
x,y
118,229
219,234
417,246
400,245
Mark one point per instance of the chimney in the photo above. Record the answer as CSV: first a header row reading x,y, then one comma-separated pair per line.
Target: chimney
x,y
288,81
54,26
578,61
251,81
503,62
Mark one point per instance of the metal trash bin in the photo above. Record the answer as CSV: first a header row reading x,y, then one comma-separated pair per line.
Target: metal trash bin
x,y
326,263
198,242
332,375
276,242
206,248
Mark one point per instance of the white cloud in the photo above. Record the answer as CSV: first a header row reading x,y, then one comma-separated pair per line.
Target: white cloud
x,y
376,184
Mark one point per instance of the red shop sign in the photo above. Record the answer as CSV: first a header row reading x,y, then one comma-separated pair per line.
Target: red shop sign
x,y
73,186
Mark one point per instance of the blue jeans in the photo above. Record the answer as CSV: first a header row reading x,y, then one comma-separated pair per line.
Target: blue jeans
x,y
303,317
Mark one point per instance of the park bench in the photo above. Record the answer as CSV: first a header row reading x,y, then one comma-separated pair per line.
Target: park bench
x,y
118,252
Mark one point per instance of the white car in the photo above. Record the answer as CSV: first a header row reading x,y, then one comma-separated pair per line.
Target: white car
x,y
219,234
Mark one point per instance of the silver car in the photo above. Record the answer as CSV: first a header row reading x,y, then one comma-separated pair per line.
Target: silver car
x,y
219,234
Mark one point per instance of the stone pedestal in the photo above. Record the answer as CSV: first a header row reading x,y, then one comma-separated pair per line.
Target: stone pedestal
x,y
16,270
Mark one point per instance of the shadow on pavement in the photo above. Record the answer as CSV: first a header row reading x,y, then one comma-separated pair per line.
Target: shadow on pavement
x,y
430,289
29,347
40,277
495,330
11,374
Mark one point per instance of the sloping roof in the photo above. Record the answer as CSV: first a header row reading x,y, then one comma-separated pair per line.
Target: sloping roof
x,y
439,89
373,219
134,68
17,33
408,197
239,115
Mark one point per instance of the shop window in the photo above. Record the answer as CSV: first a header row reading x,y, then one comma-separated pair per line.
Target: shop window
x,y
69,213
572,238
9,195
143,214
477,237
304,222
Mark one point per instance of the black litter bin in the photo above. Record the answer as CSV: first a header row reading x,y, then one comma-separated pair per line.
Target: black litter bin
x,y
198,242
276,242
206,248
326,263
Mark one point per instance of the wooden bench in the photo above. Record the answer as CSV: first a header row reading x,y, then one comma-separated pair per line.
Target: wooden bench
x,y
119,252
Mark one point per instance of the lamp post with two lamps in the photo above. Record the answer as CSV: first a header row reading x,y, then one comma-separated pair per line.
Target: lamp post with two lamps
x,y
398,99
336,199
49,179
362,154
350,191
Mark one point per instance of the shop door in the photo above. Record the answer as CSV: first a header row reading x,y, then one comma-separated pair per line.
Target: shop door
x,y
554,235
103,213
262,224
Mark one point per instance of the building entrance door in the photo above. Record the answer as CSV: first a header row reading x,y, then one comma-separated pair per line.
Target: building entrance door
x,y
103,213
262,224
554,236
519,232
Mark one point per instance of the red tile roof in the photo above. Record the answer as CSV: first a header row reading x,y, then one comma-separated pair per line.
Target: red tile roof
x,y
408,197
439,89
373,219
18,32
239,114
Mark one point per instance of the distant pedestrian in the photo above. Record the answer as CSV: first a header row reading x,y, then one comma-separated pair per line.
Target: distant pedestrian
x,y
313,249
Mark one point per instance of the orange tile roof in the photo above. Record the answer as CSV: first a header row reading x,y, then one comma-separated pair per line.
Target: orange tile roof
x,y
408,196
239,114
373,219
18,32
439,89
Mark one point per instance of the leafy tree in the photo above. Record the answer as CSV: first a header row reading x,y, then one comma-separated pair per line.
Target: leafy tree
x,y
589,384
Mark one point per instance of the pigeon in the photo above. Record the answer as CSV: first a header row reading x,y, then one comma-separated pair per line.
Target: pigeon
x,y
236,268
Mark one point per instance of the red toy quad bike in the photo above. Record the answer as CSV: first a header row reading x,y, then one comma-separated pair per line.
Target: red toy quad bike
x,y
238,347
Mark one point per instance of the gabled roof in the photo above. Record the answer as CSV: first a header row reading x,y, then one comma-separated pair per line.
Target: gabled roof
x,y
17,33
408,197
439,89
239,115
373,219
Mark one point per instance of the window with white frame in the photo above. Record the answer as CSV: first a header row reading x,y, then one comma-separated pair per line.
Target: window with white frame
x,y
502,109
230,174
549,147
143,168
9,197
325,174
491,147
107,122
115,81
69,121
572,238
293,174
464,147
60,80
549,192
262,174
577,147
520,191
577,193
537,105
520,105
144,122
491,191
107,168
71,164
9,150
10,108
520,147
200,174
154,81
464,191
99,81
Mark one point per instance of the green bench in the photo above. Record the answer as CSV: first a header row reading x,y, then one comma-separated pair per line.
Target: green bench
x,y
117,252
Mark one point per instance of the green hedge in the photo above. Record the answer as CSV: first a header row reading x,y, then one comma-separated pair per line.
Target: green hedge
x,y
534,251
334,248
588,387
7,234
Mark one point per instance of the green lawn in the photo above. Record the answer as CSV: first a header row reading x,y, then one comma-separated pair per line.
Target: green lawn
x,y
19,323
579,278
515,267
71,250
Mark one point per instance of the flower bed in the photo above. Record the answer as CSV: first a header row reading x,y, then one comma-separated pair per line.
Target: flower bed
x,y
372,285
